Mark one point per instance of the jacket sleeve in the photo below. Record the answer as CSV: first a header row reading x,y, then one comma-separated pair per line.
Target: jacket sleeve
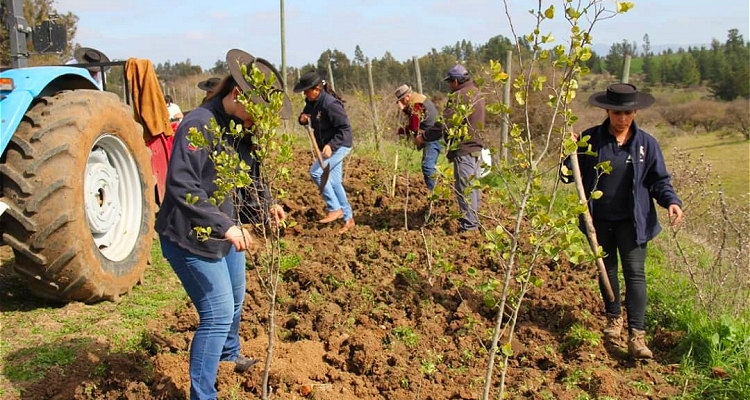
x,y
415,117
340,123
567,163
256,198
186,166
306,110
658,180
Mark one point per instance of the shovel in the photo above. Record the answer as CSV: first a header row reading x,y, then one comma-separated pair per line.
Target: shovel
x,y
316,150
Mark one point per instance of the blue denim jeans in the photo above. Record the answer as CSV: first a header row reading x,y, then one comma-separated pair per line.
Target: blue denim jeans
x,y
618,238
464,167
217,289
333,193
430,153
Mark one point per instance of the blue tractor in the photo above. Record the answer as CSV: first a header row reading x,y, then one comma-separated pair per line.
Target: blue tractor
x,y
78,199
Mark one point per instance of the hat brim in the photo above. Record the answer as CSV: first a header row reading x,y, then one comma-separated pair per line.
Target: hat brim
x,y
599,99
79,55
206,86
302,86
237,58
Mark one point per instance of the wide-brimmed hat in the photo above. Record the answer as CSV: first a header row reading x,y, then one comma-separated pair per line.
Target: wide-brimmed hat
x,y
402,91
237,58
87,55
308,80
621,97
457,72
209,84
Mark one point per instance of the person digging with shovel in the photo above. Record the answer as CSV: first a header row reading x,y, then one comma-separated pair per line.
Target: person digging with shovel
x,y
332,138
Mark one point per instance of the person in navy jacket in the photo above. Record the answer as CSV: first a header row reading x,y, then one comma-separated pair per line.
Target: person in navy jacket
x,y
625,216
324,111
213,271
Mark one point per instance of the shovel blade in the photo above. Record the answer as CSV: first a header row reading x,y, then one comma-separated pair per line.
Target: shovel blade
x,y
324,177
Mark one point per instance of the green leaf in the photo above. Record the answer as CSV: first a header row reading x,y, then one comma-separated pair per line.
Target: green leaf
x,y
623,6
550,12
507,349
565,171
597,194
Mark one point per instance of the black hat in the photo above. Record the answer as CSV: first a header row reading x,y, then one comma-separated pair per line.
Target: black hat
x,y
86,55
209,84
621,97
237,58
307,81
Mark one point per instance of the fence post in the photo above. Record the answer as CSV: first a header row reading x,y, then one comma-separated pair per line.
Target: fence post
x,y
330,76
626,69
372,106
506,102
418,74
283,47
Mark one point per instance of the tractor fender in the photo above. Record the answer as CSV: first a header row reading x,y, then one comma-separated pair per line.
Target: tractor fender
x,y
31,83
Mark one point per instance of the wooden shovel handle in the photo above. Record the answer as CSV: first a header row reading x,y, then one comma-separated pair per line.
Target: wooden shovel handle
x,y
316,150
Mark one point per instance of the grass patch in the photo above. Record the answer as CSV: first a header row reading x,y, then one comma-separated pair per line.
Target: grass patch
x,y
33,363
44,335
729,159
715,349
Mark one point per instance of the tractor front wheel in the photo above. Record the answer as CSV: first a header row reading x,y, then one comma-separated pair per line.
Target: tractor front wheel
x,y
78,181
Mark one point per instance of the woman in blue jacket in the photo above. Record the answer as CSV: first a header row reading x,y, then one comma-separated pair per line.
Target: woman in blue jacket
x,y
625,215
324,111
213,271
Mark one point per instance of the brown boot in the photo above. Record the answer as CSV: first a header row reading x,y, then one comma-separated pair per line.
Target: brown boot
x,y
347,225
332,216
614,327
637,344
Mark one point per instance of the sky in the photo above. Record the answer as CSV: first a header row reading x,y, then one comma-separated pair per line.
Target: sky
x,y
203,31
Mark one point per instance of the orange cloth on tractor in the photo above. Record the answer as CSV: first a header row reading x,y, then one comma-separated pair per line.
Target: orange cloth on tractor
x,y
149,106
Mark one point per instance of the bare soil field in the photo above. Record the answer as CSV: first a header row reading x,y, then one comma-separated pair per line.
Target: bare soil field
x,y
367,315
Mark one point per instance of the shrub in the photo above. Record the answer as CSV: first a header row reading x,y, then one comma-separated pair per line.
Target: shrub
x,y
737,117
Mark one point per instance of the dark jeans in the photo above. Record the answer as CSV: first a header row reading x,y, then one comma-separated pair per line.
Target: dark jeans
x,y
619,238
430,153
465,168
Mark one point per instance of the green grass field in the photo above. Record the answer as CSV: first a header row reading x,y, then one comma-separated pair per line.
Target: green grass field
x,y
729,158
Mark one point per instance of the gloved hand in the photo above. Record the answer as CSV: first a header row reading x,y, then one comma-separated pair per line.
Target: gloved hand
x,y
401,131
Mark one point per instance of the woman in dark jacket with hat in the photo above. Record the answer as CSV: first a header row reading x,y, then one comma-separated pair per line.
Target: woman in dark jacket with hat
x,y
324,111
212,271
624,216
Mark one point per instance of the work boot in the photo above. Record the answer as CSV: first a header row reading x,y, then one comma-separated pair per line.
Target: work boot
x,y
637,344
347,225
332,216
242,364
614,327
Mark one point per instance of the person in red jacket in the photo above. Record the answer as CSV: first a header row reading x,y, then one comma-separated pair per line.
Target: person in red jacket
x,y
421,116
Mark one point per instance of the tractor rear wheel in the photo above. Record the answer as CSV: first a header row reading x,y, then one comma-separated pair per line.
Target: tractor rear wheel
x,y
78,182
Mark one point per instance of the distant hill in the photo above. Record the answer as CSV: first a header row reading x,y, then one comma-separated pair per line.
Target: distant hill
x,y
603,49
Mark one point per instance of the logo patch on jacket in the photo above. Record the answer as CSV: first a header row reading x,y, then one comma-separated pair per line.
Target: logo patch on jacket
x,y
641,154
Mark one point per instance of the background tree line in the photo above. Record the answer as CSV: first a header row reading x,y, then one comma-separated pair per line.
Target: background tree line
x,y
723,67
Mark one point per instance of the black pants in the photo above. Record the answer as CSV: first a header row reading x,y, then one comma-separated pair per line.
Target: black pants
x,y
619,238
